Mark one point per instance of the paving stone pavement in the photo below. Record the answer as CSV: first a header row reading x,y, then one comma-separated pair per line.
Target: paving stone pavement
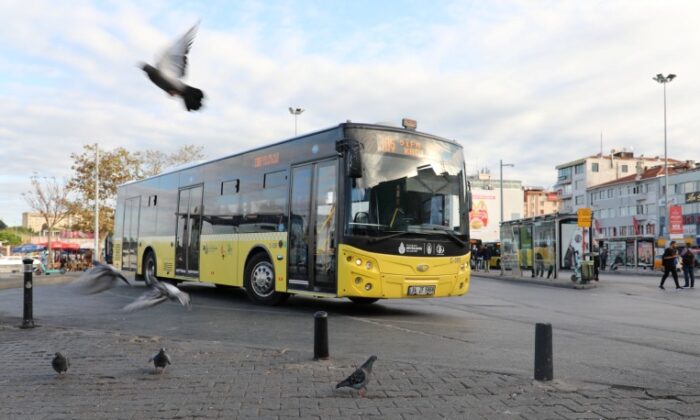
x,y
110,377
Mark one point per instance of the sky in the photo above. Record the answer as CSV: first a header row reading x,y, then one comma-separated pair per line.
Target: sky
x,y
532,83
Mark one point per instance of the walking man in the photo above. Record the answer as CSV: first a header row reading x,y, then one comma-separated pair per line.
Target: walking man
x,y
669,262
688,261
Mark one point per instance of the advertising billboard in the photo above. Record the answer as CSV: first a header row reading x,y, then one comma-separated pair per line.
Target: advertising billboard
x,y
675,216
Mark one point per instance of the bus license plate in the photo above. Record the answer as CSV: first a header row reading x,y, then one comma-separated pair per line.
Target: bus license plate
x,y
421,290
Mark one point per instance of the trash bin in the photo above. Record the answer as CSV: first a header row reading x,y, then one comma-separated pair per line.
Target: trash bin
x,y
586,271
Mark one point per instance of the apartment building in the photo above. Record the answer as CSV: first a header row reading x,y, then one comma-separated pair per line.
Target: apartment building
x,y
539,202
575,177
630,214
36,222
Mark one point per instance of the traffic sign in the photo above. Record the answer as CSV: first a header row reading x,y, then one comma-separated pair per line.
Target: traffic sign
x,y
584,217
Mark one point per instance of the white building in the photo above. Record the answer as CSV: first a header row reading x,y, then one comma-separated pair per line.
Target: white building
x,y
630,213
575,177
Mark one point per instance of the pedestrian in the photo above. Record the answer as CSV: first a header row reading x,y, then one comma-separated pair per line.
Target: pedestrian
x,y
596,261
480,258
487,258
669,262
604,257
688,261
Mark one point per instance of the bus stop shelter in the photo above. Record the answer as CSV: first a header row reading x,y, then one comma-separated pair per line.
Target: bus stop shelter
x,y
544,245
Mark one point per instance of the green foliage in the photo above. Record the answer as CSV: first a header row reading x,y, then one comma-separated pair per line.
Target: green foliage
x,y
2,225
116,167
8,237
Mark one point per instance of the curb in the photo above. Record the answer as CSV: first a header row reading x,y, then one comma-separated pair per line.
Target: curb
x,y
559,282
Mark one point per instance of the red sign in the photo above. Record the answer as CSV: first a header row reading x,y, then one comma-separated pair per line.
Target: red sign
x,y
675,216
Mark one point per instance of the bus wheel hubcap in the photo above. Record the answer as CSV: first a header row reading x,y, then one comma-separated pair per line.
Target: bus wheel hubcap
x,y
263,279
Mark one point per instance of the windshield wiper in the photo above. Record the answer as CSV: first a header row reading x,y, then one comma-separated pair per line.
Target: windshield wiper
x,y
449,233
384,238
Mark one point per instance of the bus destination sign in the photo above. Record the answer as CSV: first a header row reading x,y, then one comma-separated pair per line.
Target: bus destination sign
x,y
400,146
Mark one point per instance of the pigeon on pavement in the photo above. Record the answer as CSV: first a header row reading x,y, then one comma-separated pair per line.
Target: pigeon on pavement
x,y
359,378
60,364
160,360
159,293
99,278
171,67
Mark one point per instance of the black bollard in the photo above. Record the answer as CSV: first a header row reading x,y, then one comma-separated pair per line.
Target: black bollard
x,y
28,320
543,352
320,335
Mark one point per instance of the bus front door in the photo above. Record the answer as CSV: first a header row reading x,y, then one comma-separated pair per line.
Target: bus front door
x,y
189,223
312,224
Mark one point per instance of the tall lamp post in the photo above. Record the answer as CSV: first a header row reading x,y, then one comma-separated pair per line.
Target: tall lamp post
x,y
500,226
96,253
296,112
663,80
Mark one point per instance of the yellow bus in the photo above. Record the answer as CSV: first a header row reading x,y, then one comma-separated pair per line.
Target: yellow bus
x,y
361,211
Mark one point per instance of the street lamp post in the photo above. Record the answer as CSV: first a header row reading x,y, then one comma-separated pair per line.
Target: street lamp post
x,y
96,253
663,80
296,112
500,226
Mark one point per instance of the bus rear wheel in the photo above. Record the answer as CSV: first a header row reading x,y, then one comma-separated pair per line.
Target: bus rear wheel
x,y
149,269
260,281
363,300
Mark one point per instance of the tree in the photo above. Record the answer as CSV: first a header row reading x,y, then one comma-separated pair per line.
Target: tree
x,y
2,225
116,167
7,237
49,198
153,162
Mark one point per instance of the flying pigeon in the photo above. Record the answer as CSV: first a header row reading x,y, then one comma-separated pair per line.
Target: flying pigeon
x,y
159,293
60,364
171,67
99,278
160,360
359,378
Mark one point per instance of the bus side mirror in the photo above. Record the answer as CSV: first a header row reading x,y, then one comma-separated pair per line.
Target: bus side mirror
x,y
353,157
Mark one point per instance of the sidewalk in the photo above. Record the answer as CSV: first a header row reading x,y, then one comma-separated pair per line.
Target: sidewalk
x,y
110,377
563,278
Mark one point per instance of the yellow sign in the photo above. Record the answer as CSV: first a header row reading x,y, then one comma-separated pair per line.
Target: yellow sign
x,y
584,217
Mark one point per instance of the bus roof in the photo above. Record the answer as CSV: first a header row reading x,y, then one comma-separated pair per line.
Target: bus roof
x,y
340,126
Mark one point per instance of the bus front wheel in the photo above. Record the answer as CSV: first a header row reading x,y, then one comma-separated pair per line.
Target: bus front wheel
x,y
260,281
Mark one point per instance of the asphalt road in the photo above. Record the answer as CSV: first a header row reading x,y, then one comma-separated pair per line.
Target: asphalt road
x,y
625,332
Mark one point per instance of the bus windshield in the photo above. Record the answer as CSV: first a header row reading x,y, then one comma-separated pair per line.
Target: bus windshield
x,y
409,183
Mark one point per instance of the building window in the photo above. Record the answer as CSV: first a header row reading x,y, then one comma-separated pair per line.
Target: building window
x,y
564,173
578,169
579,200
624,168
594,167
610,193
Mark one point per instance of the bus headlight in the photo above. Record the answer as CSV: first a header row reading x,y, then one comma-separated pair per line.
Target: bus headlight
x,y
368,265
368,287
358,261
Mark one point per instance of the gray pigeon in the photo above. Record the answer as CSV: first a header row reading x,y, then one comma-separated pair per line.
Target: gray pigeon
x,y
60,364
160,360
171,67
359,378
99,278
159,293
